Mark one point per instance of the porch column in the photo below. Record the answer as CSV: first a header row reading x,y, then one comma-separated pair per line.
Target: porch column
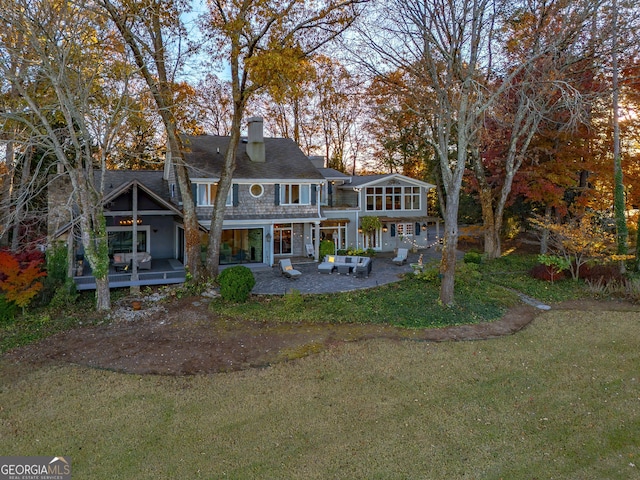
x,y
316,245
134,289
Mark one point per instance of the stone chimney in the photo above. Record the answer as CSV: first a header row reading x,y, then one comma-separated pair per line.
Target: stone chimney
x,y
255,140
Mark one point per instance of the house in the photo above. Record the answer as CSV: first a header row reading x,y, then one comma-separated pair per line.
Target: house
x,y
399,202
280,202
137,205
272,208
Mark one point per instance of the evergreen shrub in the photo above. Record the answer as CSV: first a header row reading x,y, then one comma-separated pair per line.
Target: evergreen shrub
x,y
236,283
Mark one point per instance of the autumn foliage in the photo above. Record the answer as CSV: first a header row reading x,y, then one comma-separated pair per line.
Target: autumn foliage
x,y
19,274
578,241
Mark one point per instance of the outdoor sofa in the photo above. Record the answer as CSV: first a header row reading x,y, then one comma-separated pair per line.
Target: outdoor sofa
x,y
346,264
122,261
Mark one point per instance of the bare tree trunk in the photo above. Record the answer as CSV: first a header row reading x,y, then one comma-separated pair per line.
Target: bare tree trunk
x,y
161,90
619,206
226,179
449,249
20,196
544,239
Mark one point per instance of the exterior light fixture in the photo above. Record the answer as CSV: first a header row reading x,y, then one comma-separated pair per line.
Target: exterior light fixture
x,y
424,227
384,228
127,222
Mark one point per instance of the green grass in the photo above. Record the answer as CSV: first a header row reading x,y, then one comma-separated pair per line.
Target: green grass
x,y
408,303
512,271
480,296
557,400
38,323
483,293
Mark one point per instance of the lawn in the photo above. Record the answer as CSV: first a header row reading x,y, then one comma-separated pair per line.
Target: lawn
x,y
558,400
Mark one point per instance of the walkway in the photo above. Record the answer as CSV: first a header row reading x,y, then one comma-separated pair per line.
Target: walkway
x,y
269,281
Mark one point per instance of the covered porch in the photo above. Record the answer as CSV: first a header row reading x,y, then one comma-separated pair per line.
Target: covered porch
x,y
162,272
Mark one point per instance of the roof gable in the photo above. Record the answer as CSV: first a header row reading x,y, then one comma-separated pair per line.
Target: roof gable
x,y
359,182
119,182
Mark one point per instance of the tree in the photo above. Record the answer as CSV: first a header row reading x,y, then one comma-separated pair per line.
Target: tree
x,y
443,47
338,108
397,128
64,106
214,105
19,277
261,41
619,204
579,240
143,26
549,38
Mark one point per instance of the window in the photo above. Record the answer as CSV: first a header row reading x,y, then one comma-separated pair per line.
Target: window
x,y
206,194
335,232
282,237
294,194
405,229
256,190
121,239
392,198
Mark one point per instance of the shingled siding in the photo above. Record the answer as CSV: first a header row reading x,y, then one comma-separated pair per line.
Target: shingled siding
x,y
264,205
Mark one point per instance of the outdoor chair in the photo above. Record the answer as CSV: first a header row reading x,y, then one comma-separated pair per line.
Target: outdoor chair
x,y
287,269
401,257
310,250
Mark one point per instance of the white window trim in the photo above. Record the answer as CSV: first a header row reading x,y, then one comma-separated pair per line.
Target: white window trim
x,y
256,185
406,192
401,228
211,202
287,201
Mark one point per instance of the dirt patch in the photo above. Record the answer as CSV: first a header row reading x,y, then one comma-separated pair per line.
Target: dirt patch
x,y
183,337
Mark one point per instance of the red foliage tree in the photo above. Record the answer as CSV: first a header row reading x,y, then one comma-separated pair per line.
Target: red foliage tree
x,y
19,276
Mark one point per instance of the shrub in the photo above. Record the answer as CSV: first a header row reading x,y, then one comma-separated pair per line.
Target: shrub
x,y
57,263
430,274
554,267
19,276
7,310
327,247
546,273
473,257
293,299
605,273
236,283
65,295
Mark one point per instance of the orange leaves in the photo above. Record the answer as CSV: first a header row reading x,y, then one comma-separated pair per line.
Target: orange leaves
x,y
19,277
578,240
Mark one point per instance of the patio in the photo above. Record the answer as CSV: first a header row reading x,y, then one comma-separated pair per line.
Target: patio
x,y
269,281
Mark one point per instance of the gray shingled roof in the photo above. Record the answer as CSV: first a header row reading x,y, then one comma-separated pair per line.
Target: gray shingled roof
x,y
358,181
333,174
362,179
152,179
284,160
